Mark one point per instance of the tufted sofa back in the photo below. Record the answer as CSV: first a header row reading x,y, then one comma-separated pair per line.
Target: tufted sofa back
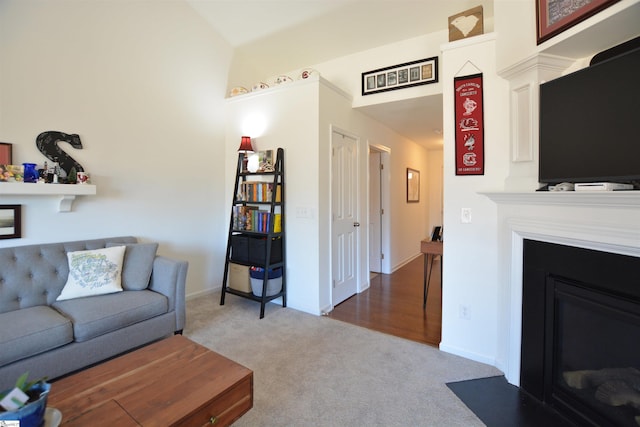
x,y
35,274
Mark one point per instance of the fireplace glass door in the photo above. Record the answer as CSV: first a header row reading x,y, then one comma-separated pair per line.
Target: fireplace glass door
x,y
596,355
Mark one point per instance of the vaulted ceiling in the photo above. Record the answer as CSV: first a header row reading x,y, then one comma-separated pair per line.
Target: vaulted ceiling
x,y
315,31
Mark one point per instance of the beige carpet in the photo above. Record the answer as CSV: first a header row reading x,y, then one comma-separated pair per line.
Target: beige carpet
x,y
317,371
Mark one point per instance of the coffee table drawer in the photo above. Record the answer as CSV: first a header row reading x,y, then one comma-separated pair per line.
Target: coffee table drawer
x,y
224,409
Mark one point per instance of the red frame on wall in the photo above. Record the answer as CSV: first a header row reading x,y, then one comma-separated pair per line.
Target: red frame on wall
x,y
6,153
555,16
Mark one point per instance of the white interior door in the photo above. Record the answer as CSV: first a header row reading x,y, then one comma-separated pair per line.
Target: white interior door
x,y
375,210
345,226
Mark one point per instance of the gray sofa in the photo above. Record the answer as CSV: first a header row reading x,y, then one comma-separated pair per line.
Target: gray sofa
x,y
50,338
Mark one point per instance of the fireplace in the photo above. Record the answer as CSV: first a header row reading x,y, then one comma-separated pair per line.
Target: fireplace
x,y
580,350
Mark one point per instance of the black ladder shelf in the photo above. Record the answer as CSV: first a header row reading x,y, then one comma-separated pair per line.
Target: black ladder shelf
x,y
263,243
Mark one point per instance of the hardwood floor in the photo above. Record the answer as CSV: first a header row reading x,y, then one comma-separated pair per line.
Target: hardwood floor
x,y
393,305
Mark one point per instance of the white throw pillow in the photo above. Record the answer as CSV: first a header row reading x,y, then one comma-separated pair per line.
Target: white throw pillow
x,y
93,272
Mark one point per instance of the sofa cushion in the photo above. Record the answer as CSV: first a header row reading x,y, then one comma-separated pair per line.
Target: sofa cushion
x,y
95,316
30,331
138,264
93,272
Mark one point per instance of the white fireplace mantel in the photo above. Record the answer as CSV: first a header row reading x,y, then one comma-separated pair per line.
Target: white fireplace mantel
x,y
613,199
604,221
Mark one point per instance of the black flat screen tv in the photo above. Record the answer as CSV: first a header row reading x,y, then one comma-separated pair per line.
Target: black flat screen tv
x,y
590,124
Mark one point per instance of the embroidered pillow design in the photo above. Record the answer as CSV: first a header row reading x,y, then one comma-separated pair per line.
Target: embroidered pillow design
x,y
93,272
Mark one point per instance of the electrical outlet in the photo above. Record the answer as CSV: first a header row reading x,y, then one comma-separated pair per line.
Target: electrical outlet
x,y
465,312
465,215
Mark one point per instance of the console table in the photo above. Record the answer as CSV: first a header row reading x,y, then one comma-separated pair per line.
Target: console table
x,y
430,249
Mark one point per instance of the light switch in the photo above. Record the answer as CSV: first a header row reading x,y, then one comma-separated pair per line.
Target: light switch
x,y
465,215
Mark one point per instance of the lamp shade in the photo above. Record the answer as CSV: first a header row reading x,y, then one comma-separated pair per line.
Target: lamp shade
x,y
245,145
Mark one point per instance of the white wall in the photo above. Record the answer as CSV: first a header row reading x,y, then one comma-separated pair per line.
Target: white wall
x,y
396,53
143,84
299,117
410,222
470,264
290,115
476,265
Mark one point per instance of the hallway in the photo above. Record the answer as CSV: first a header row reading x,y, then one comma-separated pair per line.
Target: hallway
x,y
393,305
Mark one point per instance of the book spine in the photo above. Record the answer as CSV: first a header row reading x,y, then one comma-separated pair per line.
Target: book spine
x,y
277,226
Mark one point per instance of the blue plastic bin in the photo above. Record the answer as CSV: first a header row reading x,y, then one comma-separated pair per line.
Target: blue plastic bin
x,y
274,283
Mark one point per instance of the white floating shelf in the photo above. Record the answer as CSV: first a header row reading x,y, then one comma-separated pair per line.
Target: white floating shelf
x,y
66,192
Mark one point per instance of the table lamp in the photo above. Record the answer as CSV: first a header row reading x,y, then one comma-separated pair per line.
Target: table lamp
x,y
245,147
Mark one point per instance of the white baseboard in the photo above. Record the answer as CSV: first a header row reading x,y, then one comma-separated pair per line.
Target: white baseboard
x,y
194,295
468,355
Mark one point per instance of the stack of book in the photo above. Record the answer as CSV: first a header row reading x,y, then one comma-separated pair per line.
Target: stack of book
x,y
257,191
250,218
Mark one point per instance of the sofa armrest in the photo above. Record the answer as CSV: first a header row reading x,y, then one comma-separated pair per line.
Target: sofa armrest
x,y
169,278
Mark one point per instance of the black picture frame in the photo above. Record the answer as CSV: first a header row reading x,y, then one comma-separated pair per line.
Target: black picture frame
x,y
401,76
10,221
436,235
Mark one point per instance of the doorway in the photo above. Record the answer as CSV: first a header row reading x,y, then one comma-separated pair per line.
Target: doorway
x,y
345,242
379,209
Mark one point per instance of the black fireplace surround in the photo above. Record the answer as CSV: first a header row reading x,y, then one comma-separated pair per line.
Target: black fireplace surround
x,y
581,333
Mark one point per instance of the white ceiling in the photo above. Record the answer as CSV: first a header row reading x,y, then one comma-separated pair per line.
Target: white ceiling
x,y
314,31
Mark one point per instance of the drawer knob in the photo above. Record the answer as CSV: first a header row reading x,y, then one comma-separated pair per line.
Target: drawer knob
x,y
213,420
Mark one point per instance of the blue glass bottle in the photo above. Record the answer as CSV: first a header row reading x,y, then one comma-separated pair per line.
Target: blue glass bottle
x,y
30,172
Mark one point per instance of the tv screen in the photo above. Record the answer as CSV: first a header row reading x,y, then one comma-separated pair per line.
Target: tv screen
x,y
590,124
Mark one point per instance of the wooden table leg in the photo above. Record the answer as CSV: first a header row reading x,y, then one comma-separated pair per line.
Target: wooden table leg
x,y
424,280
428,266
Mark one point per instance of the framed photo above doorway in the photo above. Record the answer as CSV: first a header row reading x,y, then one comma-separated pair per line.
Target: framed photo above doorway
x,y
409,74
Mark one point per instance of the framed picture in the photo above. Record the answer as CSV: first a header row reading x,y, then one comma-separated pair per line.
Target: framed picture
x,y
413,186
10,221
466,24
436,235
400,76
555,16
6,153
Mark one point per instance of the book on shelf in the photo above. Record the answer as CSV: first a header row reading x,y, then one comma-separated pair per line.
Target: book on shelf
x,y
258,191
250,218
277,223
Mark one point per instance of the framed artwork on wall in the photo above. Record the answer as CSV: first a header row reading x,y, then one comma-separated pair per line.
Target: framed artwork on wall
x,y
10,221
6,153
400,76
555,16
413,186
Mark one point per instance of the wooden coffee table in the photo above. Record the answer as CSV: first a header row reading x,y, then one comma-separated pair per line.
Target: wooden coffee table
x,y
173,382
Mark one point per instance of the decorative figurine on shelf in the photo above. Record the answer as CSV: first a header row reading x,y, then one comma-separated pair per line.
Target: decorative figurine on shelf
x,y
55,173
30,174
72,177
47,143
